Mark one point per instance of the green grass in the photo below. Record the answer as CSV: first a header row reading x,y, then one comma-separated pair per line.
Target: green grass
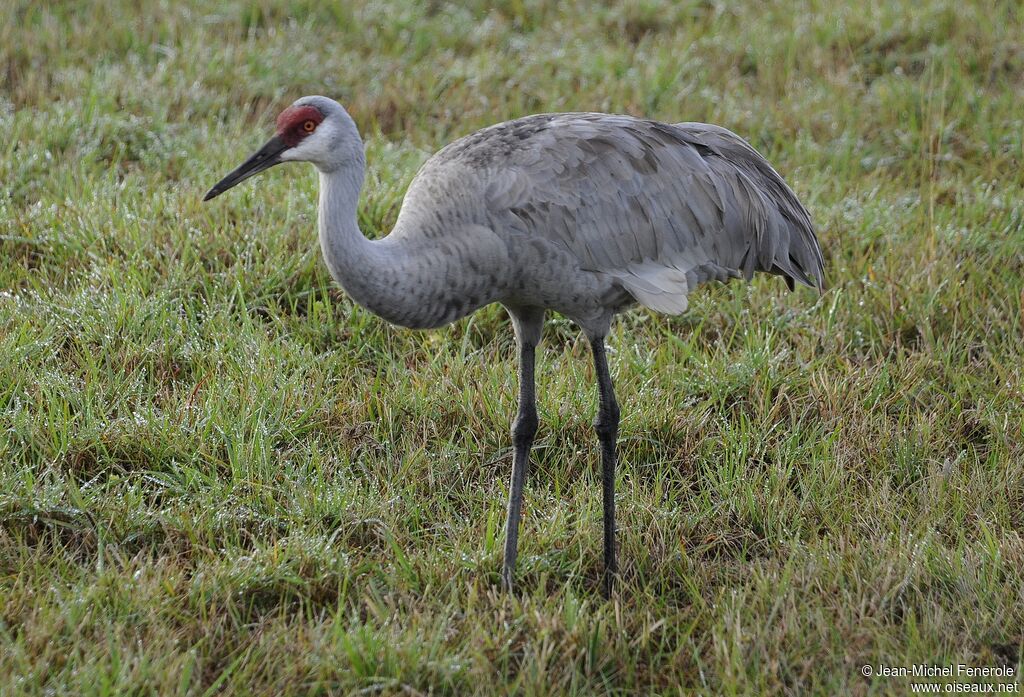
x,y
218,475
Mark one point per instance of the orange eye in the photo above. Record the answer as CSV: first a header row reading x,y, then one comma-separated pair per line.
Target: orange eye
x,y
309,126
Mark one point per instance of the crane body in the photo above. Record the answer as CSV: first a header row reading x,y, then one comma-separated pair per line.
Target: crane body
x,y
582,213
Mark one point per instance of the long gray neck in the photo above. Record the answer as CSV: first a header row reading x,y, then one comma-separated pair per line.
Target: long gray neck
x,y
375,273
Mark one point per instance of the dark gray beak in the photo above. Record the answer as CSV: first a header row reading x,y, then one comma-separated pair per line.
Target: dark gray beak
x,y
264,158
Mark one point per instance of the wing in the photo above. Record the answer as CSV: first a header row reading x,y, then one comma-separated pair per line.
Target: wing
x,y
660,207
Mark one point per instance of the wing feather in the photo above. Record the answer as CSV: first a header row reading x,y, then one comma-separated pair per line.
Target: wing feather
x,y
660,207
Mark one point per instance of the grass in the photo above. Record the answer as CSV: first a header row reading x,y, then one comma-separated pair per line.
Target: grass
x,y
217,475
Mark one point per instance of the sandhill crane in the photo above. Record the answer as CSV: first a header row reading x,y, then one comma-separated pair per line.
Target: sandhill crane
x,y
581,213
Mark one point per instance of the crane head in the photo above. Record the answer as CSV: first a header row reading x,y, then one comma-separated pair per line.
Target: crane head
x,y
313,129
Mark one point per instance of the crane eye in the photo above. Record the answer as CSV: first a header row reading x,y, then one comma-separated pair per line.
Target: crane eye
x,y
309,126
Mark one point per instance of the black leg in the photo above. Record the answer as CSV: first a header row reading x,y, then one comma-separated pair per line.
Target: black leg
x,y
607,426
528,328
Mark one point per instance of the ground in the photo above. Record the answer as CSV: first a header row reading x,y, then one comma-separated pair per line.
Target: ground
x,y
217,475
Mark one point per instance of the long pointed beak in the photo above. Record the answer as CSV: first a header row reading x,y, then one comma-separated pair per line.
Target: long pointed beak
x,y
264,158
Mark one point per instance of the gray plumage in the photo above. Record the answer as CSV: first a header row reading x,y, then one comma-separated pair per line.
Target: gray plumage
x,y
591,205
582,213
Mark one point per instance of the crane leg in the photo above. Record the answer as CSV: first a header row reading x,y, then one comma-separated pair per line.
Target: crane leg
x,y
528,325
607,426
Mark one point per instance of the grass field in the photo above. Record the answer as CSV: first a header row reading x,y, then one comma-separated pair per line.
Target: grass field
x,y
217,475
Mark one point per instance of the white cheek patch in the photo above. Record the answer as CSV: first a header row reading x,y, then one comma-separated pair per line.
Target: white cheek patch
x,y
312,148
